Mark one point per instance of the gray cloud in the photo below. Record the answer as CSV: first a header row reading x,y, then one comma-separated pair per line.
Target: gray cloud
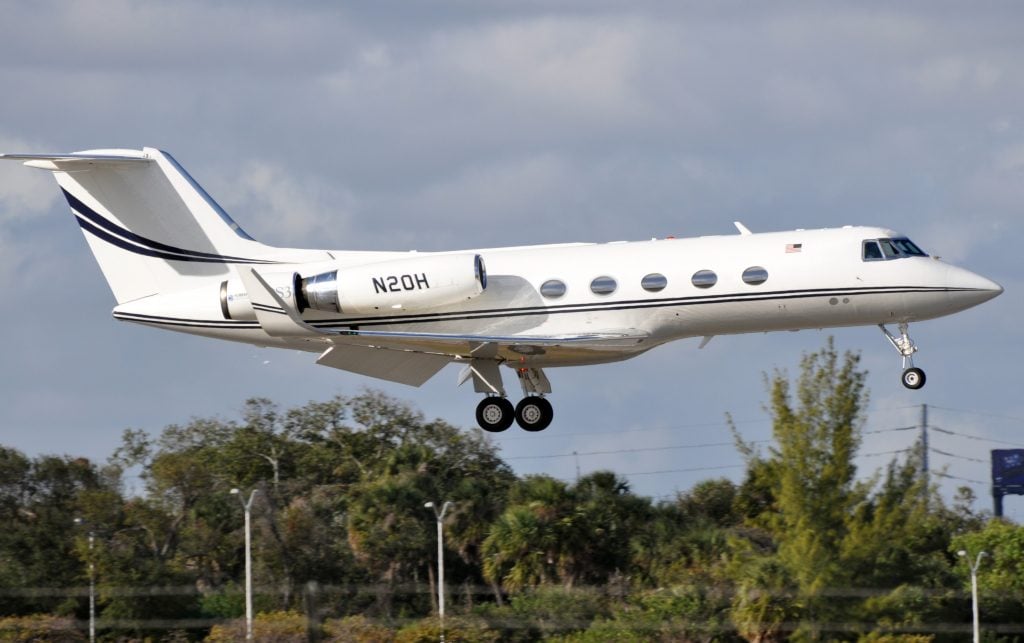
x,y
465,124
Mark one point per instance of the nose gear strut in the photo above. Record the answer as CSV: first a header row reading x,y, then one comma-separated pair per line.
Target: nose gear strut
x,y
913,378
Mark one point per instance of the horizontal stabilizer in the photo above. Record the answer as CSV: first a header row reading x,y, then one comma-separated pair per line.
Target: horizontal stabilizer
x,y
69,161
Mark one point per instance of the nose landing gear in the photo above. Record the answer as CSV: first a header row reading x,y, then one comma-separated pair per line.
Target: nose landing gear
x,y
913,377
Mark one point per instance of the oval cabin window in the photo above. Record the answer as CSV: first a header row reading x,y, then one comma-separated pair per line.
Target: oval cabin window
x,y
654,282
704,278
603,286
552,288
755,275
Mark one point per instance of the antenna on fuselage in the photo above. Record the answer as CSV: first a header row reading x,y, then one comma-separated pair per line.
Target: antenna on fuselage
x,y
742,228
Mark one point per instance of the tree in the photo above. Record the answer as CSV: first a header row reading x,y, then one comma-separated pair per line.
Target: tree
x,y
39,500
552,532
1001,572
811,477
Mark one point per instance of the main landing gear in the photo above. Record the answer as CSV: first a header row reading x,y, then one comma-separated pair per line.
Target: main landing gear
x,y
913,378
495,412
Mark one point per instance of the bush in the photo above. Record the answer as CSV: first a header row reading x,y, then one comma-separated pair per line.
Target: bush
x,y
357,629
544,612
40,627
268,627
877,637
456,630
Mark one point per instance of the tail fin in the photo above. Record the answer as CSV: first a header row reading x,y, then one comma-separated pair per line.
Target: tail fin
x,y
151,227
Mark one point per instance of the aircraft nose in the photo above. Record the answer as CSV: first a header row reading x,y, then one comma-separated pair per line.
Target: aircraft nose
x,y
971,288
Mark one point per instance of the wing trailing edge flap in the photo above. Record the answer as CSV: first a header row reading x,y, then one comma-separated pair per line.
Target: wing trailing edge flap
x,y
404,367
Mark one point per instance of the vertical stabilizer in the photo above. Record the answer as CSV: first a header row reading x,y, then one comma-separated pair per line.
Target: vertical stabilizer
x,y
151,227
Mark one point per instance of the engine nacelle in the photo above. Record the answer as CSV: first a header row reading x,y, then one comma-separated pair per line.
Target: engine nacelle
x,y
394,286
234,300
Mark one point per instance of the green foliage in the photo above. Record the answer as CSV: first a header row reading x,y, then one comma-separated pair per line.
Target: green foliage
x,y
816,444
682,613
545,611
1000,573
339,531
880,637
552,532
40,627
1003,568
456,630
276,627
801,495
357,629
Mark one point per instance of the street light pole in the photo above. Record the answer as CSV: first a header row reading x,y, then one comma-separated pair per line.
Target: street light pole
x,y
974,589
440,558
246,506
92,582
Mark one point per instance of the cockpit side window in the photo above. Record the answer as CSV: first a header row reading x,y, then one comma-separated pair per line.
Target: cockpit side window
x,y
886,249
871,251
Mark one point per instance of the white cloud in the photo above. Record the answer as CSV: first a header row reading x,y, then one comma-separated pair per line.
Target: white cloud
x,y
24,192
282,206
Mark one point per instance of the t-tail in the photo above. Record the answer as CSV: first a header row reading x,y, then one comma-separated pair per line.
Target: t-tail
x,y
151,227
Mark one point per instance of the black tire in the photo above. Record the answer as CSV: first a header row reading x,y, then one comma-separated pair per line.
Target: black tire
x,y
913,378
494,414
534,413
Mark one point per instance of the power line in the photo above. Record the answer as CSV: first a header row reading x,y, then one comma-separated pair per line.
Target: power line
x,y
678,427
690,470
954,455
872,455
979,438
636,450
946,475
698,425
898,428
981,414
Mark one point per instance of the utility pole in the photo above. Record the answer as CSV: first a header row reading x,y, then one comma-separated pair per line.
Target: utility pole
x,y
92,581
246,506
440,558
974,589
925,471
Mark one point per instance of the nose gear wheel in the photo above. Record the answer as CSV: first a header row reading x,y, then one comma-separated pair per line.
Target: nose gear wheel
x,y
913,378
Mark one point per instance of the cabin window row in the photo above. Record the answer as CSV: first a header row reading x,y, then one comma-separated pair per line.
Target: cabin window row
x,y
654,282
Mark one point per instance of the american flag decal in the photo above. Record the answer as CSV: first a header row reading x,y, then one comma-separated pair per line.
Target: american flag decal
x,y
794,247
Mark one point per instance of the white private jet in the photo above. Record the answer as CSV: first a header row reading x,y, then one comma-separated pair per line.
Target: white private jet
x,y
175,260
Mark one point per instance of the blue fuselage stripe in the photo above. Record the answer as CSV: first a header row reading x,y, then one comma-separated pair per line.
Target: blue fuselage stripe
x,y
125,239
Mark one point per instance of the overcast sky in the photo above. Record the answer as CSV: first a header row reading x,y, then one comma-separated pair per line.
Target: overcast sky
x,y
446,125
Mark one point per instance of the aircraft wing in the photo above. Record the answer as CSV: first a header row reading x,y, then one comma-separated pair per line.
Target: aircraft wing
x,y
414,357
595,341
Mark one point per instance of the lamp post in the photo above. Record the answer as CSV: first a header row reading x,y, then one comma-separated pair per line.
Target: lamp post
x,y
92,581
974,589
440,558
246,506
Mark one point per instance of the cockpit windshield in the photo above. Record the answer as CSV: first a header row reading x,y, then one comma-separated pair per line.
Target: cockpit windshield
x,y
885,249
